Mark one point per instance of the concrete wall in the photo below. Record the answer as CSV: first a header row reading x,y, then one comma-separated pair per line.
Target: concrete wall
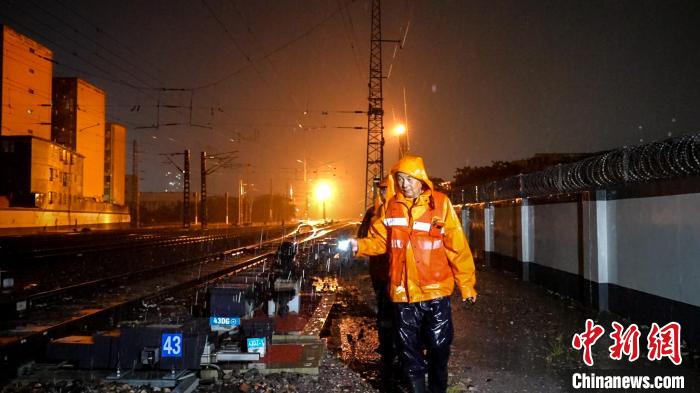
x,y
649,244
637,256
476,229
658,245
556,236
506,230
36,218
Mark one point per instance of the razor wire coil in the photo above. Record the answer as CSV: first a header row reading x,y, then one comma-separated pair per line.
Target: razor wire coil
x,y
671,158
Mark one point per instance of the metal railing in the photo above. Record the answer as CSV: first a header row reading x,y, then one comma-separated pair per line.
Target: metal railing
x,y
671,158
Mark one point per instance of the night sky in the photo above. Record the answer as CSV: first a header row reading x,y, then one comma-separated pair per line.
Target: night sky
x,y
483,80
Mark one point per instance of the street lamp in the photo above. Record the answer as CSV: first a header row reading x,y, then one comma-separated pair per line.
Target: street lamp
x,y
401,132
306,189
323,193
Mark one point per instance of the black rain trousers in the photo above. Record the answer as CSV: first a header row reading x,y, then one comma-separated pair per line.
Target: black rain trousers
x,y
426,325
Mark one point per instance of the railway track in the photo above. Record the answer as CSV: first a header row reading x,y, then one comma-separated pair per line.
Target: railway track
x,y
39,275
88,305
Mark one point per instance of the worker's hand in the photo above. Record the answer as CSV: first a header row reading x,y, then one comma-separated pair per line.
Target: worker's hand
x,y
348,245
353,245
470,300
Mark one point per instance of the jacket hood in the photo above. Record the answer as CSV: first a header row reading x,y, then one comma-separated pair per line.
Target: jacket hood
x,y
412,166
388,183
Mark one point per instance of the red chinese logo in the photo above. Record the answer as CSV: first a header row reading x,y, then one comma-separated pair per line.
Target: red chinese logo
x,y
625,342
665,342
661,341
587,339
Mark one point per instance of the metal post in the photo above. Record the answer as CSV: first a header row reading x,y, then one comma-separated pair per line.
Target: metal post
x,y
226,201
240,202
375,112
186,191
269,218
196,208
135,186
203,167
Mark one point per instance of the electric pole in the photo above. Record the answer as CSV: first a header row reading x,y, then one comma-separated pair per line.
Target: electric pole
x,y
185,171
375,112
222,160
135,186
203,167
186,191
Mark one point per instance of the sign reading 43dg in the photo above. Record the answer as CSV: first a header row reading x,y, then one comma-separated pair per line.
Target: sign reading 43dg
x,y
225,322
171,345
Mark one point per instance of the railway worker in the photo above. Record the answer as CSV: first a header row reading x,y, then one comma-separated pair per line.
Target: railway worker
x,y
379,274
428,253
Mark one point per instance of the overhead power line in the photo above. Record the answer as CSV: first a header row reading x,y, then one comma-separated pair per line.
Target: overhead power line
x,y
117,57
276,50
106,34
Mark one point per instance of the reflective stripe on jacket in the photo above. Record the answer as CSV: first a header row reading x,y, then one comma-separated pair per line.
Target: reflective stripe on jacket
x,y
427,247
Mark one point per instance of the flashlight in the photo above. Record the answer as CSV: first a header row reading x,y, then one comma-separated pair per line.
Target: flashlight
x,y
343,245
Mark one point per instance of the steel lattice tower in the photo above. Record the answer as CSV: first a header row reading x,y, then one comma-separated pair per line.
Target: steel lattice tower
x,y
375,113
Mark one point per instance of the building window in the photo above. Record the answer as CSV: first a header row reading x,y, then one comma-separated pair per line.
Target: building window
x,y
30,90
31,70
50,197
31,50
8,147
50,174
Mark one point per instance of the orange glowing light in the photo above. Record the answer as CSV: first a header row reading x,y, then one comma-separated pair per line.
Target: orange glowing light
x,y
323,191
400,129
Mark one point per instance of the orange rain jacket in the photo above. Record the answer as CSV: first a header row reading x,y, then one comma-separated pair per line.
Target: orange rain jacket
x,y
427,227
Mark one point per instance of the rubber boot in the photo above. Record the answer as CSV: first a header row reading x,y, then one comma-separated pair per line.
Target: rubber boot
x,y
437,386
416,385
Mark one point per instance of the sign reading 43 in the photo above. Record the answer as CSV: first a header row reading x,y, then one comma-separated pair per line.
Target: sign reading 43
x,y
171,345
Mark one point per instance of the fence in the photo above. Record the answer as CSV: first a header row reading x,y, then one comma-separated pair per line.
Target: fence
x,y
618,231
668,159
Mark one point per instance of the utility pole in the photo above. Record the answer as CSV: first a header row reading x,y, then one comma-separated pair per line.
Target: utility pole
x,y
203,167
226,202
185,171
196,208
375,112
223,160
270,217
186,191
240,202
135,186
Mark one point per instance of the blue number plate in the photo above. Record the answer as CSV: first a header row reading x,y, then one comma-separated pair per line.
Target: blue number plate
x,y
256,344
224,322
171,345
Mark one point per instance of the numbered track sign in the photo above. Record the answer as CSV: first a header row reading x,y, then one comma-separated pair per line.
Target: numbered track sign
x,y
171,345
257,345
224,323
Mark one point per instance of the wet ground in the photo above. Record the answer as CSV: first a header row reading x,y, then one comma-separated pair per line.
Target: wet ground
x,y
516,338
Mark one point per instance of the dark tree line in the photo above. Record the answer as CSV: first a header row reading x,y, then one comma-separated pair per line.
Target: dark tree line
x,y
478,175
265,208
